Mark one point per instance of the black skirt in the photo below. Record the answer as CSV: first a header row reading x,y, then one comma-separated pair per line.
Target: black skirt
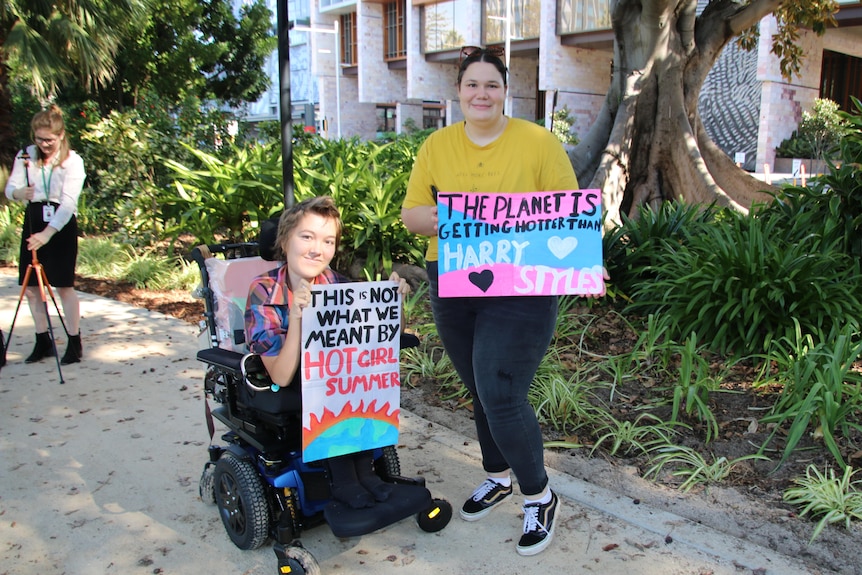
x,y
58,257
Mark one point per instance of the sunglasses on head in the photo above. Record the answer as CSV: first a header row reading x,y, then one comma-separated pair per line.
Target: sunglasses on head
x,y
478,51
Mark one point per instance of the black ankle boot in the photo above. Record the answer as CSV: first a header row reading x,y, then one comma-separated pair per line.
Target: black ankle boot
x,y
345,484
44,348
368,478
74,350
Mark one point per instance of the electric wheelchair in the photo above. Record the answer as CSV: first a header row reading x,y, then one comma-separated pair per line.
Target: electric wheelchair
x,y
257,478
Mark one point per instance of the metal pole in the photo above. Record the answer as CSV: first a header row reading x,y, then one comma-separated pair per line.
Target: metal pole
x,y
508,109
282,25
337,76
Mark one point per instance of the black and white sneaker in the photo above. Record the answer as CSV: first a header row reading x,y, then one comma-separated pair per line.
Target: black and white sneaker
x,y
486,497
538,526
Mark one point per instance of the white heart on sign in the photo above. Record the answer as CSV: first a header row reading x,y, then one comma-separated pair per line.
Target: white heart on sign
x,y
561,247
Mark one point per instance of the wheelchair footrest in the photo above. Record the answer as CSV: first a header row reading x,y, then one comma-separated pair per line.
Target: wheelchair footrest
x,y
405,500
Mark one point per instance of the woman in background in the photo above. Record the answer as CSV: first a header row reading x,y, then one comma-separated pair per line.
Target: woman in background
x,y
49,177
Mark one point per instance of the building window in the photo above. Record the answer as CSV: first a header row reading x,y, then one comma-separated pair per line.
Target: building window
x,y
394,24
433,116
298,10
348,39
525,20
444,25
386,117
840,78
583,16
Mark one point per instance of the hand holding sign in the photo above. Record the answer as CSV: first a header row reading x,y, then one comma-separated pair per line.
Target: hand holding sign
x,y
301,299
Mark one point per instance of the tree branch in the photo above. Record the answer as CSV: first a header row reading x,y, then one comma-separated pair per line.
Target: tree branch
x,y
750,15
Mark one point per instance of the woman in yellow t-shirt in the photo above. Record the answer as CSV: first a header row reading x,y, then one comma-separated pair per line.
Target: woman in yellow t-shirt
x,y
495,343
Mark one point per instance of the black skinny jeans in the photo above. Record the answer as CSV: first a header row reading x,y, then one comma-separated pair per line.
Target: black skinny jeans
x,y
496,345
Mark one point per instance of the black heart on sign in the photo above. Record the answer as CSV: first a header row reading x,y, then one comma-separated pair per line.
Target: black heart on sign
x,y
482,280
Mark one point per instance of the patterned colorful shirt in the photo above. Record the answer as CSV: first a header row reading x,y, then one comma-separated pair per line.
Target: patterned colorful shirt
x,y
268,306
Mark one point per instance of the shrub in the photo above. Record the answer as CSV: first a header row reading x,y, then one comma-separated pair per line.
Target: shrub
x,y
123,153
632,248
368,182
221,199
741,283
818,135
821,391
11,220
831,206
825,496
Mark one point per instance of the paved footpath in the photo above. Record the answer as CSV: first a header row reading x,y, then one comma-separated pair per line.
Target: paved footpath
x,y
100,476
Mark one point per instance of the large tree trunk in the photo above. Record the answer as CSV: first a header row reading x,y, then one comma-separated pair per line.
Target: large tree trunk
x,y
648,144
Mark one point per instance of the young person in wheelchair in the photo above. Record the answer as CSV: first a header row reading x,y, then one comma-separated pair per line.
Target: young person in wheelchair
x,y
307,239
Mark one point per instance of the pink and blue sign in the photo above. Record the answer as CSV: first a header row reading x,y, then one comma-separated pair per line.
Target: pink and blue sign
x,y
536,243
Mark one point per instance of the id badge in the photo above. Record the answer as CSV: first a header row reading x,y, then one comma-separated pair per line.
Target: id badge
x,y
47,213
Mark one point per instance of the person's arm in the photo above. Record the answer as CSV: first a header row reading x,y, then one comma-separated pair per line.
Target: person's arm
x,y
72,184
420,220
419,211
267,328
282,367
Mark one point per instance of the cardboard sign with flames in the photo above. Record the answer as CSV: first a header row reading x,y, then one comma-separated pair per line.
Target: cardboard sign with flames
x,y
351,396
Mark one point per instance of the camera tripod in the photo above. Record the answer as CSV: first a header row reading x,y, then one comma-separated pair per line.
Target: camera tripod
x,y
44,291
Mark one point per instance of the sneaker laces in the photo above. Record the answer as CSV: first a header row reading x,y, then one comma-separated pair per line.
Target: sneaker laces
x,y
531,519
487,487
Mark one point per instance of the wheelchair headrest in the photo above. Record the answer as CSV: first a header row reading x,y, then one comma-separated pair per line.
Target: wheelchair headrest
x,y
266,239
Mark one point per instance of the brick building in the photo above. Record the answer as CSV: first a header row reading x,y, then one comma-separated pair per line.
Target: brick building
x,y
362,67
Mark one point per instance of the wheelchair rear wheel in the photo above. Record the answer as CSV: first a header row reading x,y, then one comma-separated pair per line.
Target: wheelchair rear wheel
x,y
241,501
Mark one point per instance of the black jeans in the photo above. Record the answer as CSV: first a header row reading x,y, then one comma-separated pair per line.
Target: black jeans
x,y
496,345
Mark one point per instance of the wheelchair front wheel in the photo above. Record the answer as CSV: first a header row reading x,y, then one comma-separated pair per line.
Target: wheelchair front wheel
x,y
435,517
206,486
241,501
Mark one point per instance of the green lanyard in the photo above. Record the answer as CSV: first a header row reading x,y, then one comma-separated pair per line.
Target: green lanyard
x,y
47,184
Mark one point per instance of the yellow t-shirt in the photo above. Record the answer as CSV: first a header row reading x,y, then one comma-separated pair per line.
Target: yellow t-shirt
x,y
525,158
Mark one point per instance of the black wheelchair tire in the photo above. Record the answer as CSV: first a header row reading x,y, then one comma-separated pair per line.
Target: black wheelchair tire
x,y
388,464
241,501
299,561
435,517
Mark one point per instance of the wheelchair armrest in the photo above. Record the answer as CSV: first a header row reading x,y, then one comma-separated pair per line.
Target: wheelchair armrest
x,y
224,358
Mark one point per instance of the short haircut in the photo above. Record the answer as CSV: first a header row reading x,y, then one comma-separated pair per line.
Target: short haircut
x,y
323,206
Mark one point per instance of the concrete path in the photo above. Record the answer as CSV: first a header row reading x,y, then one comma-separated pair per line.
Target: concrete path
x,y
100,476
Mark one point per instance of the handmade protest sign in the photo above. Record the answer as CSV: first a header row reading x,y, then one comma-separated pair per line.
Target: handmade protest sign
x,y
536,243
351,397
